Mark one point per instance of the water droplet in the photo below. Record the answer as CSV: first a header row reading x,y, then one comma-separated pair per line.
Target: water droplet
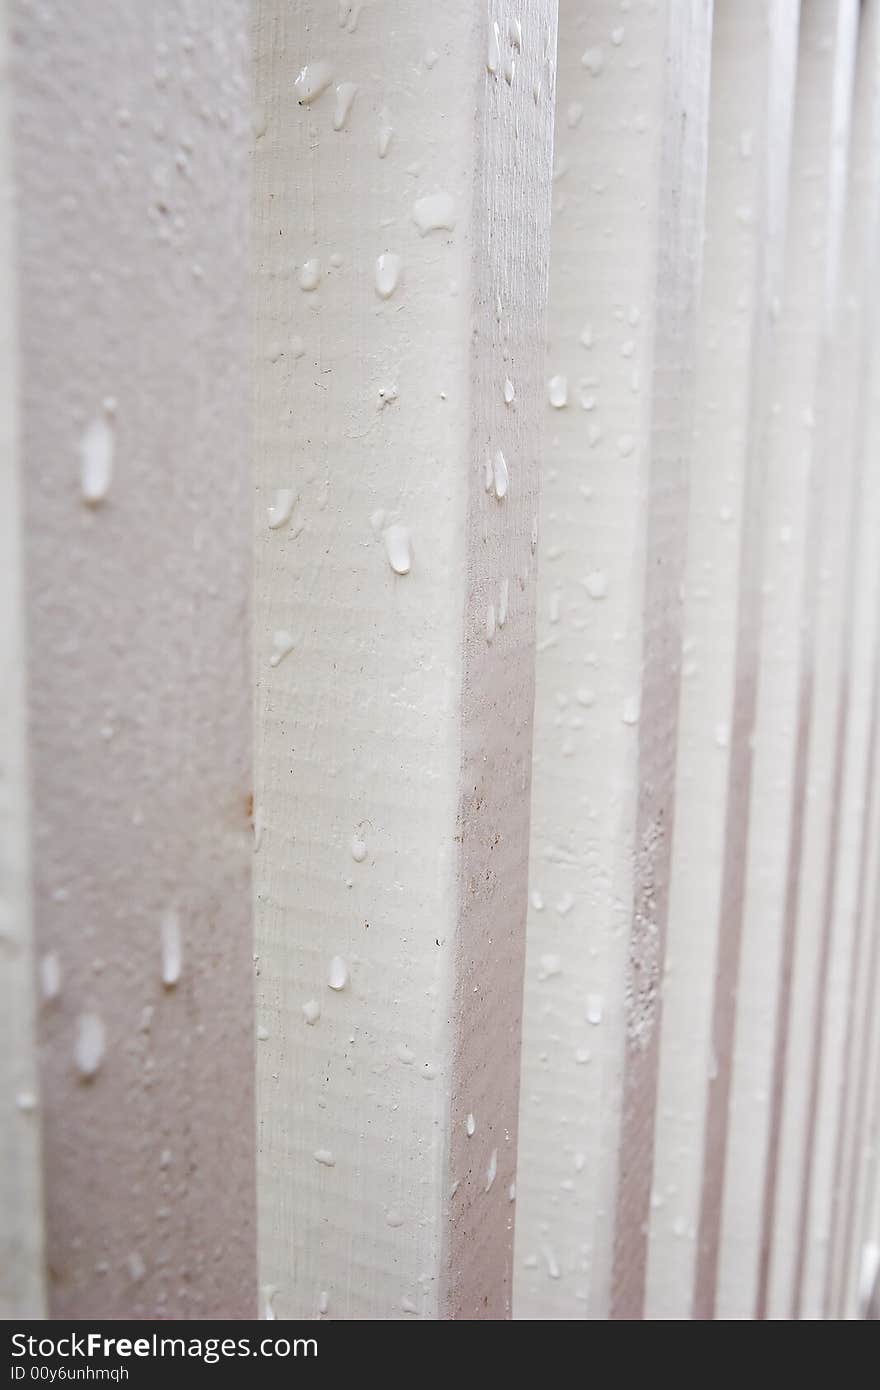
x,y
550,966
550,1261
632,708
383,140
172,951
596,584
514,31
96,451
557,392
393,1218
282,508
617,36
262,1033
358,850
565,904
574,116
309,275
492,1170
345,95
503,600
407,1305
50,975
349,14
324,1157
625,445
398,549
500,475
593,60
387,274
509,392
493,57
313,79
470,1125
594,1008
509,66
311,1012
90,1043
511,1192
136,1268
269,1292
283,644
433,213
337,977
26,1102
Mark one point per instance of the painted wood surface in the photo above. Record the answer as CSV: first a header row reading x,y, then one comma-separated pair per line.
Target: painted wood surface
x,y
627,232
131,125
406,1013
401,229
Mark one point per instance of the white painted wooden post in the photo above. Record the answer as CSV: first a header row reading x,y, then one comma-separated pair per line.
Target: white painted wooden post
x,y
777,805
753,61
797,712
630,159
131,137
857,1124
857,1136
852,566
21,1216
401,239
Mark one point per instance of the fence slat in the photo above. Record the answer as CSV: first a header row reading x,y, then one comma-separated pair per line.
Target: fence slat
x,y
630,160
851,576
753,59
401,243
803,631
131,133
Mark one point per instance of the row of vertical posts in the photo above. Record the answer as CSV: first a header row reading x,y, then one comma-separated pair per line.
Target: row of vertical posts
x,y
524,961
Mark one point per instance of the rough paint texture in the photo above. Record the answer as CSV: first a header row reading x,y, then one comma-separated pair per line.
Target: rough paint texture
x,y
401,249
752,69
630,156
131,143
22,1293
